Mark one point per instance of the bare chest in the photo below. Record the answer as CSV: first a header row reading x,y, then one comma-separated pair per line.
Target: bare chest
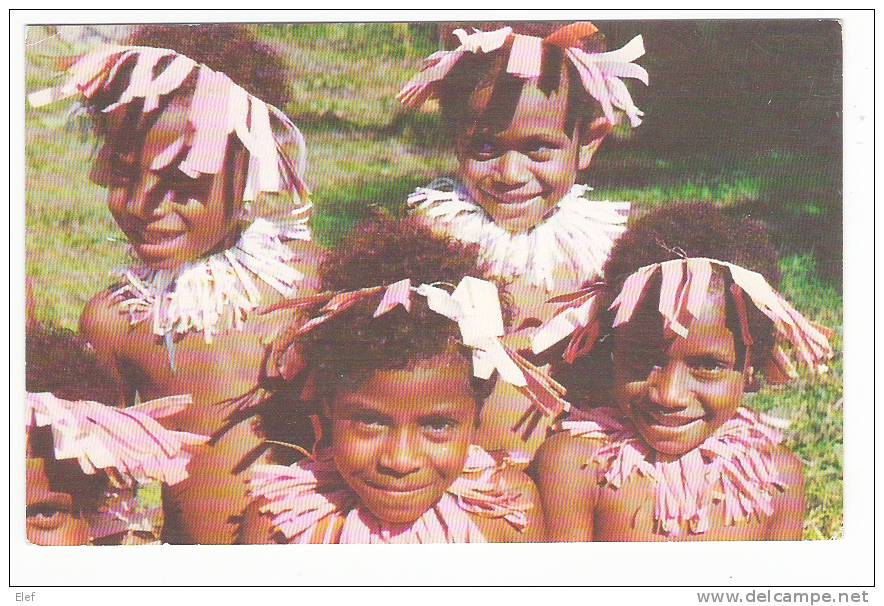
x,y
627,514
217,374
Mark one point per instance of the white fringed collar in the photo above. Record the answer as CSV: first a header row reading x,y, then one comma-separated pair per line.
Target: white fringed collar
x,y
568,248
217,292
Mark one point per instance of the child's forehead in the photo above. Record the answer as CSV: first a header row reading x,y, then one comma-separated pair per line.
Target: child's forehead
x,y
430,385
510,102
128,129
647,324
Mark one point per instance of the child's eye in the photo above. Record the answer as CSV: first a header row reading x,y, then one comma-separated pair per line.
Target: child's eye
x,y
540,150
483,148
439,426
641,364
369,421
47,516
121,173
709,364
186,188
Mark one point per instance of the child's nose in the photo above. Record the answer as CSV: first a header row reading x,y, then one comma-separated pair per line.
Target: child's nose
x,y
148,199
511,169
668,386
399,456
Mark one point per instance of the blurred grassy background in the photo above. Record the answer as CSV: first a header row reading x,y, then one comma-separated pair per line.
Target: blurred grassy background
x,y
740,114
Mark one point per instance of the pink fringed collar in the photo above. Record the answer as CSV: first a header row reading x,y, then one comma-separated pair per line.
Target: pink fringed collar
x,y
311,503
735,465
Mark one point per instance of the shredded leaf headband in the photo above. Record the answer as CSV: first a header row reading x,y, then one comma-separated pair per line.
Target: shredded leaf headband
x,y
600,73
475,306
219,107
684,288
128,444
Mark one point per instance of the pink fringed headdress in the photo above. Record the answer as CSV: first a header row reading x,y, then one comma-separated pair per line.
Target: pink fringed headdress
x,y
475,306
127,444
600,73
684,288
219,108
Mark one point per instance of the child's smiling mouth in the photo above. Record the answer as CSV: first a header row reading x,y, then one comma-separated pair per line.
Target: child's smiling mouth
x,y
656,417
510,199
396,490
154,237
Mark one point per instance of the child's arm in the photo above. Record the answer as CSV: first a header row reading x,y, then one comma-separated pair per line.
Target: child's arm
x,y
106,331
787,521
256,527
566,481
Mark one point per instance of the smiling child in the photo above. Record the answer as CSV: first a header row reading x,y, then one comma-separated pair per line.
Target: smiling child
x,y
186,151
399,371
528,107
689,303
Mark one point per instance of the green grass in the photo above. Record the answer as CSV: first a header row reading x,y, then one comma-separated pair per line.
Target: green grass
x,y
365,153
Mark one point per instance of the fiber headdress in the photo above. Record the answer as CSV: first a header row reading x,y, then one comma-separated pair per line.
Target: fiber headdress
x,y
127,444
218,108
475,306
600,73
684,288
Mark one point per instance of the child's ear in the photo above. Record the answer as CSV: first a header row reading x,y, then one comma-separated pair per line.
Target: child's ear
x,y
591,139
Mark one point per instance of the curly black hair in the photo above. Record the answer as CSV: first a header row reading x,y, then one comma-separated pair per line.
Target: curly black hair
x,y
477,71
346,351
227,47
58,361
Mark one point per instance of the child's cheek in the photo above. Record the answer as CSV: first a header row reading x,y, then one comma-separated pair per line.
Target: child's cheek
x,y
353,448
448,459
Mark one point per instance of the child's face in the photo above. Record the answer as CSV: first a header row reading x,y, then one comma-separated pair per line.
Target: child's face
x,y
52,516
402,438
168,217
520,173
678,392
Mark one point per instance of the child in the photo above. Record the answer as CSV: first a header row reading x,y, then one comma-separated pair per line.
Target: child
x,y
400,368
185,151
528,106
84,459
693,315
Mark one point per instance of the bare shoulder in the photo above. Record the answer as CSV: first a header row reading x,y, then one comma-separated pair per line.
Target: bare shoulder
x,y
790,466
257,527
102,324
499,530
566,479
789,505
565,455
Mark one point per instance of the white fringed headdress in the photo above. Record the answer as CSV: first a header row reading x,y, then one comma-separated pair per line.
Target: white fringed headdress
x,y
218,108
474,305
600,73
684,289
127,444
